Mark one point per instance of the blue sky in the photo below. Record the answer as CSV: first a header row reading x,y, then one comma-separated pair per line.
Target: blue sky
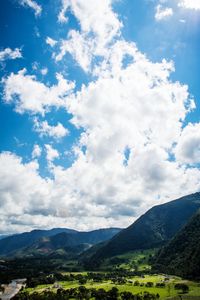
x,y
72,113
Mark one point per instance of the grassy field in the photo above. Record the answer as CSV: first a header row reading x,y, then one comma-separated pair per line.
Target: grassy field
x,y
132,261
164,292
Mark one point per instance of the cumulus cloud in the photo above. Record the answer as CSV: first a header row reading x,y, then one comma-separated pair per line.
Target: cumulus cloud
x,y
163,12
51,42
86,196
21,187
44,71
44,129
97,17
33,5
188,147
99,26
130,104
8,53
136,107
132,108
79,47
61,17
190,4
36,151
41,98
51,153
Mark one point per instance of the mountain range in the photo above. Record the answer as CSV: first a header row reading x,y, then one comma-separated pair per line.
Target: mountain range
x,y
48,241
153,229
173,227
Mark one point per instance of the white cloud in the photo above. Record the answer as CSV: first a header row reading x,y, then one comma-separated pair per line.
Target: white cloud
x,y
94,16
134,106
79,47
51,153
51,42
41,98
188,147
36,151
29,201
22,189
190,4
139,108
99,26
61,17
44,129
44,71
163,12
118,101
33,5
36,67
8,53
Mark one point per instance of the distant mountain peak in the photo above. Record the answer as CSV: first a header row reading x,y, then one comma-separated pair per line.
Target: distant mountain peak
x,y
50,240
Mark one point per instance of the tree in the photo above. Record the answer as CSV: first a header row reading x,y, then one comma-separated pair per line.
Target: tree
x,y
127,296
112,294
182,286
136,283
149,284
82,281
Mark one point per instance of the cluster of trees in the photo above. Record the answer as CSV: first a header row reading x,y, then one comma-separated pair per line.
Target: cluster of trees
x,y
182,286
149,284
29,268
37,271
34,267
83,293
117,277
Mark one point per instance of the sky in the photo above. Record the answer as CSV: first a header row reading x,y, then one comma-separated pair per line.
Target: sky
x,y
99,110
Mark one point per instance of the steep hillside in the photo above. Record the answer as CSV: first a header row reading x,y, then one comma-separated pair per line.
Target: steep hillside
x,y
153,229
182,255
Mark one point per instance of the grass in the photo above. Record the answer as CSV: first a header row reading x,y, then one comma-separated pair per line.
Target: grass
x,y
167,291
130,260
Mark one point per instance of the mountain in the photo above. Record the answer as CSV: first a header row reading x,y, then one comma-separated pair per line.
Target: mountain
x,y
47,241
153,229
18,241
3,236
182,255
67,243
59,244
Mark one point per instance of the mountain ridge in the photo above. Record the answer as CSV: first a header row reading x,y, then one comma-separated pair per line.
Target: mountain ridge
x,y
153,229
18,242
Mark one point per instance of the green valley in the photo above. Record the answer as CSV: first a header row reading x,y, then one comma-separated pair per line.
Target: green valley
x,y
157,257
